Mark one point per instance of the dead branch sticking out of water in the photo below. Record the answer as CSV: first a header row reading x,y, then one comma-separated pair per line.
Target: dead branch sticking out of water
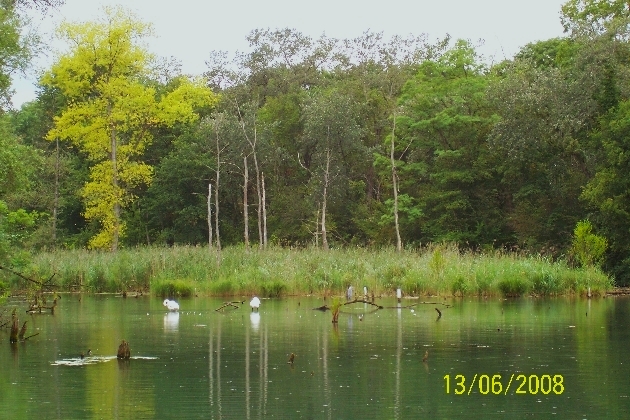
x,y
234,304
446,305
37,307
325,308
439,313
14,327
124,352
23,332
362,301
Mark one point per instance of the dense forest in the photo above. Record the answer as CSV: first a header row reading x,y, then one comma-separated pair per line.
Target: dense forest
x,y
365,142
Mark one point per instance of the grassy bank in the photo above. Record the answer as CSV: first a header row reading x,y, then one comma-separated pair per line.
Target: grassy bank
x,y
438,270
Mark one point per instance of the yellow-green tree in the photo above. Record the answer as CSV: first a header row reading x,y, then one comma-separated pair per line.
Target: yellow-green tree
x,y
112,111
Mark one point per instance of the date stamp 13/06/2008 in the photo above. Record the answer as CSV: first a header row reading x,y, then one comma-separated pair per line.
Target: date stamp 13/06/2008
x,y
517,384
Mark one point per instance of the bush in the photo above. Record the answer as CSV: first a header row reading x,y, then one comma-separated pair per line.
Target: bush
x,y
170,288
223,288
544,284
272,288
459,286
513,287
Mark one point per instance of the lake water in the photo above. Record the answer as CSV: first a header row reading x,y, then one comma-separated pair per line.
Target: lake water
x,y
557,358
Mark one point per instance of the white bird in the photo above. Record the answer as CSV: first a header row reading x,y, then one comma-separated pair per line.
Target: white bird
x,y
255,303
171,305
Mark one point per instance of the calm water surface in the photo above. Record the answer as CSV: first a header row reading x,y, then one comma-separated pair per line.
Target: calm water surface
x,y
233,364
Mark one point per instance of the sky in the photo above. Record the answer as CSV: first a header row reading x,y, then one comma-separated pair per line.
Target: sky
x,y
189,30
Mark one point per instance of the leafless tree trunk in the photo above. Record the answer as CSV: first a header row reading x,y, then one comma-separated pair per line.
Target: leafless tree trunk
x,y
264,211
116,232
56,198
395,185
245,212
326,178
216,192
317,228
209,216
252,144
258,192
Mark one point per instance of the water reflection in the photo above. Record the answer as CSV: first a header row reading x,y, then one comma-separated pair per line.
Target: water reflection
x,y
171,322
234,365
254,317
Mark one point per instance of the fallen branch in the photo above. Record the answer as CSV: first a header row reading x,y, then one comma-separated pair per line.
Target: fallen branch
x,y
233,304
46,284
446,305
363,301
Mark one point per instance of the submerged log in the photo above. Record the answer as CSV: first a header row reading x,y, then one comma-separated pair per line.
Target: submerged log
x,y
124,352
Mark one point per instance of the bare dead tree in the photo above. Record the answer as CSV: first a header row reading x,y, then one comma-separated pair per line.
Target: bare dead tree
x,y
264,210
395,187
209,216
245,212
252,141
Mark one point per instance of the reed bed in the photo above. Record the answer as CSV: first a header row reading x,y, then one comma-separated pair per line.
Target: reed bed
x,y
434,270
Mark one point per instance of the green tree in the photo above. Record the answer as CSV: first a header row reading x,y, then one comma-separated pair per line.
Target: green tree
x,y
111,112
448,170
588,247
332,131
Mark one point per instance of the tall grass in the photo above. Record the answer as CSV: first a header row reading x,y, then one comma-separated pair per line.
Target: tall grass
x,y
436,270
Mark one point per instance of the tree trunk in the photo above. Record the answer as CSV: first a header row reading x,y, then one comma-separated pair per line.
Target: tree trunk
x,y
258,191
264,211
56,198
116,209
395,185
216,196
209,216
245,213
326,177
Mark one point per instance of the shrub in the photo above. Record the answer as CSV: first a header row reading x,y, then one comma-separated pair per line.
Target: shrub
x,y
587,247
166,288
512,287
272,288
223,288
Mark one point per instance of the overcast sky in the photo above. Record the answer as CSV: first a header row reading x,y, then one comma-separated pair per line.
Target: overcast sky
x,y
189,29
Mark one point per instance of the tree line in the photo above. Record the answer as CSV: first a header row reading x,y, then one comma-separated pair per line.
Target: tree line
x,y
301,141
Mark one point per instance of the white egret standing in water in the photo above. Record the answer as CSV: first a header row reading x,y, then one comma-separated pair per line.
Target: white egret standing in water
x,y
255,303
171,305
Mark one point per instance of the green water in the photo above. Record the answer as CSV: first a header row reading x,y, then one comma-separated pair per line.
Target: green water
x,y
233,365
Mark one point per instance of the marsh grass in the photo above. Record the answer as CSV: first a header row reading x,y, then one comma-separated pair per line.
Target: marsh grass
x,y
435,270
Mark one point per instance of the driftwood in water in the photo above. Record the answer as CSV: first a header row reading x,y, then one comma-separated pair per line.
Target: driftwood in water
x,y
124,352
325,308
37,307
362,301
439,313
14,327
234,304
22,331
446,305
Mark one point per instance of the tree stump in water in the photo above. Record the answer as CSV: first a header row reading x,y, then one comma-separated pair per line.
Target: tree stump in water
x,y
14,328
124,352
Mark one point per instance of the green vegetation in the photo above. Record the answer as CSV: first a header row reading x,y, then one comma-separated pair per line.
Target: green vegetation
x,y
319,144
182,271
